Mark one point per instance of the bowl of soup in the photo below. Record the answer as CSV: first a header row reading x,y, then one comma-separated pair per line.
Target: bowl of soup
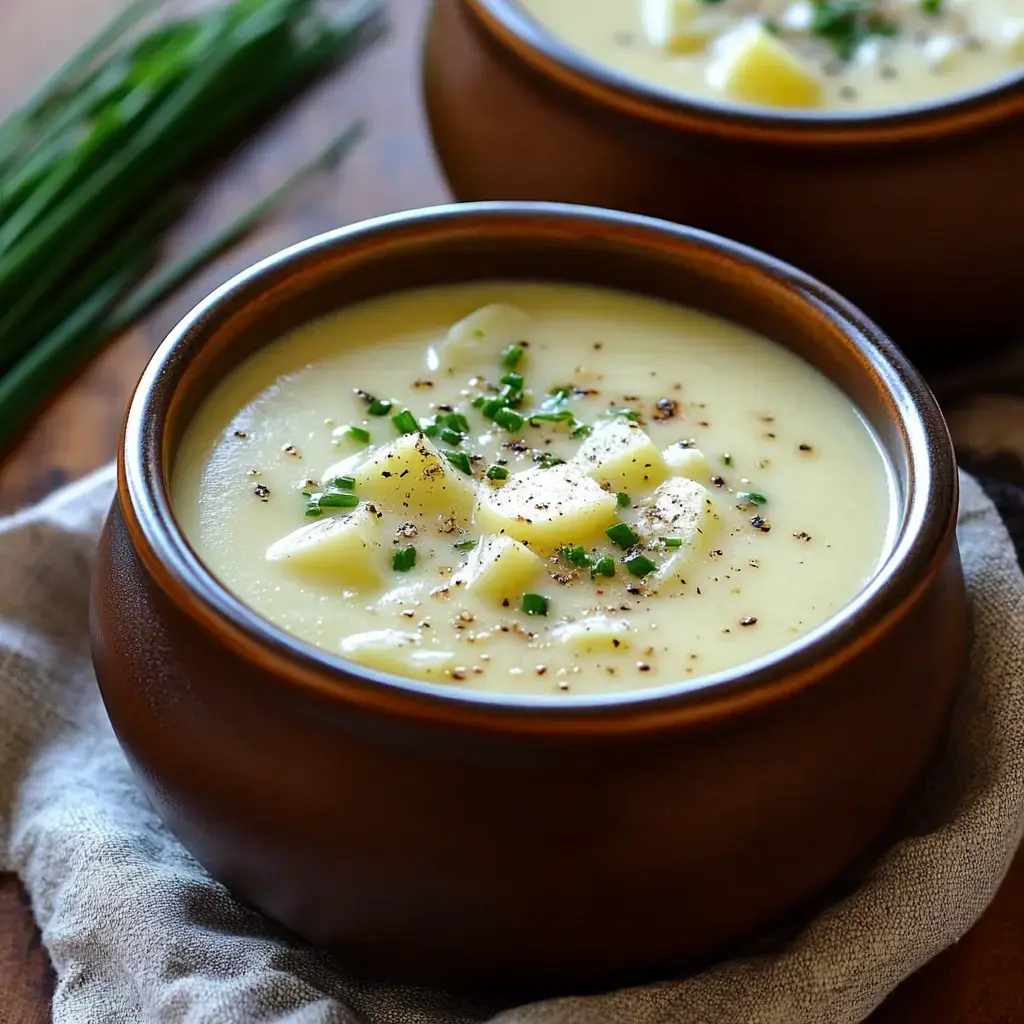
x,y
873,143
529,594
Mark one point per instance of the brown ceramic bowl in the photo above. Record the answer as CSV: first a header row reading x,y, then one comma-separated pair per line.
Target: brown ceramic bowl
x,y
432,832
915,214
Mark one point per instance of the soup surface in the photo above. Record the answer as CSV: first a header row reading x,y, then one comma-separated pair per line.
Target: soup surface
x,y
534,488
831,54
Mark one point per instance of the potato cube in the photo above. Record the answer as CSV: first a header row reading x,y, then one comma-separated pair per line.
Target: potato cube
x,y
597,634
758,68
479,339
402,654
620,454
408,476
679,509
498,568
344,548
546,508
680,26
688,462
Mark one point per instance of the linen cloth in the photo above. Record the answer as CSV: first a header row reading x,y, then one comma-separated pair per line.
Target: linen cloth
x,y
140,934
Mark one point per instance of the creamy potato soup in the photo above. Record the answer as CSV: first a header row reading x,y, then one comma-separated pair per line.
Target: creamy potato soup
x,y
831,54
534,488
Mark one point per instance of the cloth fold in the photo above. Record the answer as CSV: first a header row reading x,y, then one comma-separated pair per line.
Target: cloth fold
x,y
140,934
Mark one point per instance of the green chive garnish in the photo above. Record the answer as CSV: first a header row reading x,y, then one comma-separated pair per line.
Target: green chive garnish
x,y
456,421
496,473
358,434
460,460
344,483
450,436
621,535
513,380
478,401
338,499
509,420
582,431
626,414
379,407
405,422
673,542
432,430
604,566
640,565
727,459
512,356
535,604
750,498
622,500
403,560
465,545
491,407
547,460
576,556
313,509
551,417
931,6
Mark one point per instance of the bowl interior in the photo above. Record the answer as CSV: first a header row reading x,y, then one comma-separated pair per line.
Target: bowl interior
x,y
545,242
541,48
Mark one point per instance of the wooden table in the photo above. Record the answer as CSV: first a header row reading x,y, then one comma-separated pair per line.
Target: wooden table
x,y
980,981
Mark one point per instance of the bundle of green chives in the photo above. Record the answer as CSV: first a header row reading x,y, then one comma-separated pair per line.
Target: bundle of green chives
x,y
90,169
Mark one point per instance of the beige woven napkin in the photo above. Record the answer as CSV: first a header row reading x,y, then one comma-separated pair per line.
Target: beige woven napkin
x,y
139,933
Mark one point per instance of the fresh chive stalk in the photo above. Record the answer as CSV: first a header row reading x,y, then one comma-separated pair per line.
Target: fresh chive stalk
x,y
604,566
460,460
496,473
640,566
535,604
403,560
621,535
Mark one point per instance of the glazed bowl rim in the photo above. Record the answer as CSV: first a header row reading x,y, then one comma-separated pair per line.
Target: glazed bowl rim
x,y
546,53
913,554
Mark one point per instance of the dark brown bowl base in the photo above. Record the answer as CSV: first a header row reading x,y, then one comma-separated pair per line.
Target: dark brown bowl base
x,y
510,842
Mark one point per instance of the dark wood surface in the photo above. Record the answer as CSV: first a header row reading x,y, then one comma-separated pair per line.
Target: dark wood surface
x,y
979,981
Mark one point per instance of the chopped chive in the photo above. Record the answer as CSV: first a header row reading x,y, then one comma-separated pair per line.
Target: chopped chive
x,y
460,460
750,498
513,380
344,483
358,434
456,421
496,473
604,566
622,500
509,420
432,430
535,604
491,407
626,414
551,417
547,460
727,459
621,535
931,6
338,499
512,356
405,422
450,436
512,397
582,431
380,407
576,556
403,560
673,542
478,401
640,565
313,509
465,545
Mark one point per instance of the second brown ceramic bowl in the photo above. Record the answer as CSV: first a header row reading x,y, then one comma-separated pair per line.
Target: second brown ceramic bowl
x,y
915,214
430,832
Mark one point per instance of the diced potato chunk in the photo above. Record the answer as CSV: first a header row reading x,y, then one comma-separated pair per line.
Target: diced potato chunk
x,y
480,338
409,476
597,634
688,462
620,453
680,26
546,508
342,547
679,509
758,68
402,654
499,568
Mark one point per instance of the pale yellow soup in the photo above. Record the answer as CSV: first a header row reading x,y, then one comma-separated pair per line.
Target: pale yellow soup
x,y
746,499
828,54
